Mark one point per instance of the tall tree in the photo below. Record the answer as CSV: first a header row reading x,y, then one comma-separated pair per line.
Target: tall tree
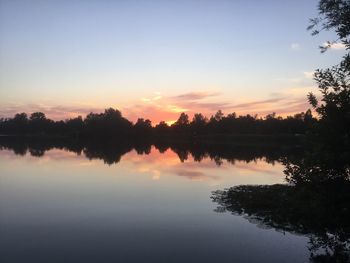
x,y
333,83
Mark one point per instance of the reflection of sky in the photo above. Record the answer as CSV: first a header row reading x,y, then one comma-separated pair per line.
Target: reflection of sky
x,y
159,166
147,208
148,58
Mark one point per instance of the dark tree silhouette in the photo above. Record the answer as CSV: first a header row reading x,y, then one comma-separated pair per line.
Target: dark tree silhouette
x,y
143,127
198,124
108,124
333,83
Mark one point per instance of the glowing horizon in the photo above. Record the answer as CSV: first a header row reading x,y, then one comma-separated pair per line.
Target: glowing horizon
x,y
158,108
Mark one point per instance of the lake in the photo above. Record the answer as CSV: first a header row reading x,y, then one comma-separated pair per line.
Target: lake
x,y
143,204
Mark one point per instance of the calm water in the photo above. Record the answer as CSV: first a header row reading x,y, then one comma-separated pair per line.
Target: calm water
x,y
60,206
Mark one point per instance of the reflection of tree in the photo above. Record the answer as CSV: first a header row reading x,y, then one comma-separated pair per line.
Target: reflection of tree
x,y
316,203
321,212
231,152
142,147
37,147
111,151
37,152
320,165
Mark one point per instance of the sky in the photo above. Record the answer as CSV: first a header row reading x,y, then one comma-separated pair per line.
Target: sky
x,y
157,58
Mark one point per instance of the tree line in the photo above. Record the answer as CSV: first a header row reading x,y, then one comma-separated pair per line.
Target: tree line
x,y
111,123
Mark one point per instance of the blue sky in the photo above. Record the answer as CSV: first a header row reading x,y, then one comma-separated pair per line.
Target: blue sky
x,y
71,57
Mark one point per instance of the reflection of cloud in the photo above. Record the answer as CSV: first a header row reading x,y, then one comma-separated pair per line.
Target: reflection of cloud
x,y
203,164
164,164
157,166
54,154
254,168
194,175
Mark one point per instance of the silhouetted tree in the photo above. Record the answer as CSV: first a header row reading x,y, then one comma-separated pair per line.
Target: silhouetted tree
x,y
143,127
74,126
38,123
182,124
162,128
333,83
107,124
198,124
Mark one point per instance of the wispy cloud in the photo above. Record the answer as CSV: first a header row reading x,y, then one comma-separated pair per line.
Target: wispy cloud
x,y
196,95
257,103
295,46
156,97
302,79
309,74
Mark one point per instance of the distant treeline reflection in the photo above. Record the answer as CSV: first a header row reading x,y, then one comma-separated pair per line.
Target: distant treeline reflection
x,y
112,151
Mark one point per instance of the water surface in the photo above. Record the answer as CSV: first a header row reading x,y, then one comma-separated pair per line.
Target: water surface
x,y
59,205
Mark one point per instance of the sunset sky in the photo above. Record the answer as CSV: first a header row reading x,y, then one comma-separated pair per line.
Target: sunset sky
x,y
156,59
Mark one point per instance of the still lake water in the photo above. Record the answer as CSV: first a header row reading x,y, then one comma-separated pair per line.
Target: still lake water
x,y
64,207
